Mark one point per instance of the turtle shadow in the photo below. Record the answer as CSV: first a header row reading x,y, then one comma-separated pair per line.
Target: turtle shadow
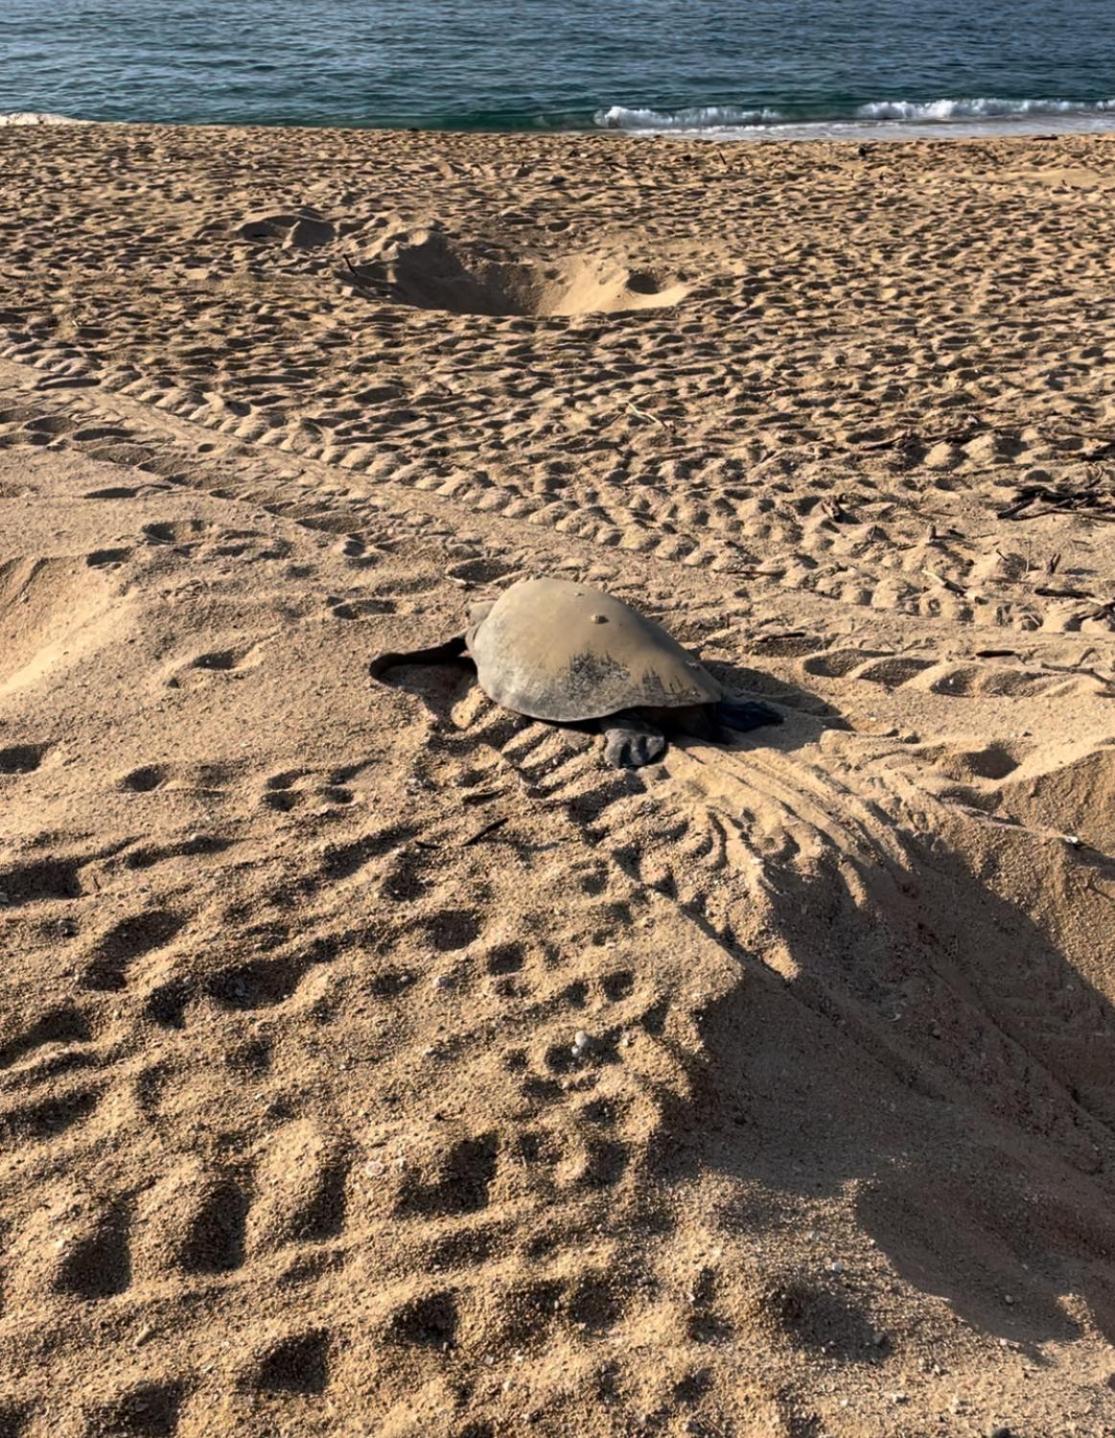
x,y
751,683
439,685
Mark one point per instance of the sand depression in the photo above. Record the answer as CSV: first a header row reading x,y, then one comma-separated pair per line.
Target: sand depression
x,y
431,270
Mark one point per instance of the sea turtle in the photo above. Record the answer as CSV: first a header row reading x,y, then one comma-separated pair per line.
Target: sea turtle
x,y
565,652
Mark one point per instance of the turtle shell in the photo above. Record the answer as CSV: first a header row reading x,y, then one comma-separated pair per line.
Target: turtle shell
x,y
562,651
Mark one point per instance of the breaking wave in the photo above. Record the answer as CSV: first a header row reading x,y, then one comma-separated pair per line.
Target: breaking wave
x,y
976,109
700,117
883,112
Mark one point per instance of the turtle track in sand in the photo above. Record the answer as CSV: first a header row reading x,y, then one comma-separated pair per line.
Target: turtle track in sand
x,y
554,1213
338,490
325,498
696,430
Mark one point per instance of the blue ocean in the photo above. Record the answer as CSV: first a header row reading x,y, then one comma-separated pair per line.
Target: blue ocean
x,y
749,68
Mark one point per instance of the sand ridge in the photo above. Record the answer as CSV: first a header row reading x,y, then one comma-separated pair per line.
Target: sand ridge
x,y
299,1136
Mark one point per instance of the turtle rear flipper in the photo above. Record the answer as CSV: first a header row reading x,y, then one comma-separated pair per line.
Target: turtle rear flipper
x,y
743,715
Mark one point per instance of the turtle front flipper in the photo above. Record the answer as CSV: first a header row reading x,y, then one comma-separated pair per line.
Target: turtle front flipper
x,y
630,742
440,654
743,715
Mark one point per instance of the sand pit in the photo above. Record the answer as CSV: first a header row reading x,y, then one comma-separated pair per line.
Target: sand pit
x,y
432,271
375,1060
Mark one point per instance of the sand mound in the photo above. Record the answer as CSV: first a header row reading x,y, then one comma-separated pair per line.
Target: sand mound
x,y
51,609
301,229
432,271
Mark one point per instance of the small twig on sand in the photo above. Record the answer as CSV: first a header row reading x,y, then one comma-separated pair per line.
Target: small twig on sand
x,y
484,832
653,418
949,584
358,279
1093,888
1089,502
1049,592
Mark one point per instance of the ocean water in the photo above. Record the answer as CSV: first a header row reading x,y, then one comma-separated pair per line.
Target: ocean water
x,y
747,68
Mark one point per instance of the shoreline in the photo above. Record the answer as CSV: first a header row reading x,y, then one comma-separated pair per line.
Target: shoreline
x,y
849,130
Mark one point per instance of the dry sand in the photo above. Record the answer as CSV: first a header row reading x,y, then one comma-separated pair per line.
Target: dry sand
x,y
294,1141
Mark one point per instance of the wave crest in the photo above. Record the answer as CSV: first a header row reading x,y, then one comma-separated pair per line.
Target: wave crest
x,y
699,117
975,109
941,112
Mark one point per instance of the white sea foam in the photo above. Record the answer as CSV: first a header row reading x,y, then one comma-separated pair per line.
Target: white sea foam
x,y
701,117
879,120
942,111
38,117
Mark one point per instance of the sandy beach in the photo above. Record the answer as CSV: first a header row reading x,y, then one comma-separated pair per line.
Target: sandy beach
x,y
297,1136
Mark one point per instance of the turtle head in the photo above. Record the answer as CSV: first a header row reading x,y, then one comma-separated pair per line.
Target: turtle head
x,y
477,613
